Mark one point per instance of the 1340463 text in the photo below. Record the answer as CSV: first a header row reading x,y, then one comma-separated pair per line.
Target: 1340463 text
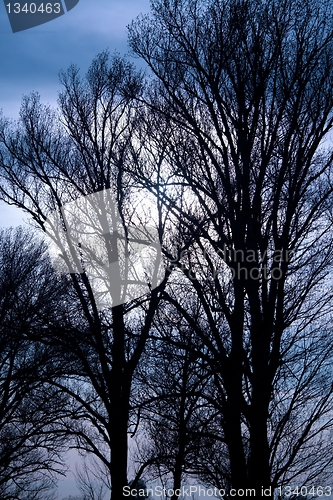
x,y
304,491
33,8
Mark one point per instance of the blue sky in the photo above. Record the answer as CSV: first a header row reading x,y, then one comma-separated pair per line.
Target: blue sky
x,y
31,60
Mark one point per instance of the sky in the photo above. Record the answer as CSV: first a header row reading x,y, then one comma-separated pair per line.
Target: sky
x,y
30,60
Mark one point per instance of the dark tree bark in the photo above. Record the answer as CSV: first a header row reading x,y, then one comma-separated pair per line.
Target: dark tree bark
x,y
243,90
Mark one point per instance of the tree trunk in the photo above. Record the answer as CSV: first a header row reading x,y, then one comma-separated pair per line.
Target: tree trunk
x,y
119,408
259,470
177,475
118,466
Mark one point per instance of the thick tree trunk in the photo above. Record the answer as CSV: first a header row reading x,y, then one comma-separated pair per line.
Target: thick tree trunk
x,y
119,408
258,466
177,476
233,384
118,466
236,451
259,470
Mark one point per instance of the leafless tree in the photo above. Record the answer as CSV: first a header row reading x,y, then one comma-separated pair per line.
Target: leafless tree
x,y
66,169
168,397
92,481
31,442
242,90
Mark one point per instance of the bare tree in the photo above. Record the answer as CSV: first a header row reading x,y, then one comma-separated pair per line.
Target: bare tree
x,y
92,482
243,90
168,395
31,442
66,169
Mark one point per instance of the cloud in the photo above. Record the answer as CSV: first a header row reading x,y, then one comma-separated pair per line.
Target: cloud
x,y
31,59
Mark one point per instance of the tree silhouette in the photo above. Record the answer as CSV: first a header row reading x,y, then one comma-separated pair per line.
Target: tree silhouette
x,y
31,442
244,91
170,387
66,169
